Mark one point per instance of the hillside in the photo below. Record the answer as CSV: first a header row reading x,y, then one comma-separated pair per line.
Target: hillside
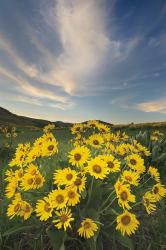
x,y
7,117
147,125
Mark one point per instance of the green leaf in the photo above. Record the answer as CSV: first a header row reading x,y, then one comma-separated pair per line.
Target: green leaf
x,y
155,152
96,195
83,212
125,241
114,245
17,229
149,247
84,194
57,238
161,158
100,243
92,213
92,244
112,211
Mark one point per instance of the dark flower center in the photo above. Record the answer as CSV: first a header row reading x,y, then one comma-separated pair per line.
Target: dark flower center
x,y
124,195
60,198
155,190
47,207
125,220
128,178
110,164
71,194
30,181
38,180
133,161
97,169
51,147
78,182
69,176
77,157
63,218
96,142
87,225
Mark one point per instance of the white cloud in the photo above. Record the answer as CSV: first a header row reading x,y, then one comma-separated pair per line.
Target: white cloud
x,y
26,88
26,99
158,106
30,70
61,105
122,101
81,28
153,106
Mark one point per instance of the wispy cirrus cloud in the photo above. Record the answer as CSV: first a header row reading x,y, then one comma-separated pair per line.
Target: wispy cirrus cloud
x,y
123,101
80,27
153,106
28,69
75,53
81,30
27,99
27,89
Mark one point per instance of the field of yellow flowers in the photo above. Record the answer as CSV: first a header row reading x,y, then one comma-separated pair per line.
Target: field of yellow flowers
x,y
88,188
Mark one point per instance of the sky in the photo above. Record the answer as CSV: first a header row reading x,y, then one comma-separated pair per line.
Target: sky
x,y
75,60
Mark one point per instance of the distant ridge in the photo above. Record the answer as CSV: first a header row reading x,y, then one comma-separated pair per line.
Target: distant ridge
x,y
7,117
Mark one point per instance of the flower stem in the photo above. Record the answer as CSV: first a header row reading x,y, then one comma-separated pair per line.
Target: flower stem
x,y
105,202
90,191
108,205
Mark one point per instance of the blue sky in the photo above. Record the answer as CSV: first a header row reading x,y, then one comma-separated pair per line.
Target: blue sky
x,y
75,60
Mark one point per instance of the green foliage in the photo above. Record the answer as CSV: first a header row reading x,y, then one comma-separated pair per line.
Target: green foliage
x,y
17,236
57,238
158,149
124,241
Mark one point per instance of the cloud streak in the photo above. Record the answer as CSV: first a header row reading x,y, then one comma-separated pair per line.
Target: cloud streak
x,y
153,106
26,88
70,54
30,70
81,30
81,27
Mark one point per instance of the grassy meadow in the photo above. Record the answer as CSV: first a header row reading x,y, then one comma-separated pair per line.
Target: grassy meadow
x,y
33,234
35,237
